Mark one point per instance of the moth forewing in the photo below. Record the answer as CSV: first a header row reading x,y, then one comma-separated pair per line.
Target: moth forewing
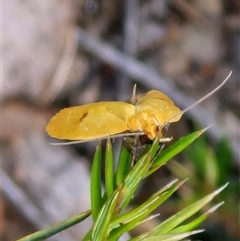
x,y
147,116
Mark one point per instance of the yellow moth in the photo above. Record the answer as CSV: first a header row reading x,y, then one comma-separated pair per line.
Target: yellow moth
x,y
146,115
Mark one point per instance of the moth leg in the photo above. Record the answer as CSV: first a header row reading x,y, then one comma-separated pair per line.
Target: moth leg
x,y
165,139
134,154
134,146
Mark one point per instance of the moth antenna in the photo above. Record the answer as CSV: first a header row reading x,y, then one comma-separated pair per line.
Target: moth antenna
x,y
200,100
66,143
95,139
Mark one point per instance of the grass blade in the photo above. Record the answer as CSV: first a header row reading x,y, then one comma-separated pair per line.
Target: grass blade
x,y
124,165
100,227
56,228
96,193
109,172
174,221
174,149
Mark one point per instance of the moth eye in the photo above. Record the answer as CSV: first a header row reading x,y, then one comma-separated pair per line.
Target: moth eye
x,y
144,139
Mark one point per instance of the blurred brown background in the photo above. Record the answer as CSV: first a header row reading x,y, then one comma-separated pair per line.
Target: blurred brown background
x,y
62,53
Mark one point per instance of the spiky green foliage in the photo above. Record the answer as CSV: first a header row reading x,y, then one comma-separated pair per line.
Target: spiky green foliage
x,y
110,215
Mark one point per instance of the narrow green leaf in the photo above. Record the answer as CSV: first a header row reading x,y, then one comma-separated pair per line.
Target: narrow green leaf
x,y
147,207
196,222
109,175
132,181
56,228
153,149
191,225
124,165
100,227
96,193
174,149
174,221
88,235
170,237
133,218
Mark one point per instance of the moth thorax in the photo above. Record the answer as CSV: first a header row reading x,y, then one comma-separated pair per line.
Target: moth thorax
x,y
145,121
